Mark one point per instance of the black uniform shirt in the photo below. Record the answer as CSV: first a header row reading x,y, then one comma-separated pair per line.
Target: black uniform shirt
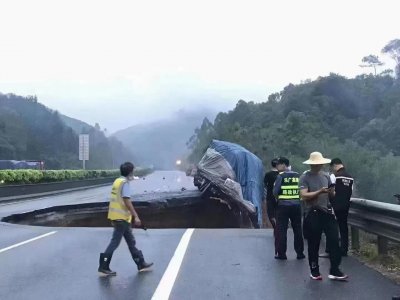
x,y
269,181
343,189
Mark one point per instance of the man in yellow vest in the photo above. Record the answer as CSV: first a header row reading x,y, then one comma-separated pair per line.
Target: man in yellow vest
x,y
120,212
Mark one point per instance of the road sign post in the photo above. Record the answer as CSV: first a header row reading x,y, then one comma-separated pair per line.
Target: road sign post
x,y
83,148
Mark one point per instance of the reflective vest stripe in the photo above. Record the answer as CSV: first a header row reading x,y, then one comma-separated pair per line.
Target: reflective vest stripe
x,y
289,187
288,197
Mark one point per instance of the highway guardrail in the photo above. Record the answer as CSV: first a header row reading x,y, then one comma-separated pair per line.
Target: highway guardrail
x,y
381,219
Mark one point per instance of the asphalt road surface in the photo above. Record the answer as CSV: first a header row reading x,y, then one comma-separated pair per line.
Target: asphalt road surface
x,y
200,264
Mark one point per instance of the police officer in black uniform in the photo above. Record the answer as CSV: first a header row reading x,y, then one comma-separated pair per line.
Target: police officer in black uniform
x,y
269,181
341,201
287,193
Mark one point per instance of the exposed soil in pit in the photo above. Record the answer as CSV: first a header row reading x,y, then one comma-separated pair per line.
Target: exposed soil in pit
x,y
165,210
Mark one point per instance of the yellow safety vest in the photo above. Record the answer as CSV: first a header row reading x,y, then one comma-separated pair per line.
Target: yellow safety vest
x,y
289,186
117,209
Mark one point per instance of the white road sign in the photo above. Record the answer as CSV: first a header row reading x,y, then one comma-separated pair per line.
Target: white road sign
x,y
83,147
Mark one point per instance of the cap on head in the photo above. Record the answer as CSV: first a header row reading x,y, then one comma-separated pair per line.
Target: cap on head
x,y
316,158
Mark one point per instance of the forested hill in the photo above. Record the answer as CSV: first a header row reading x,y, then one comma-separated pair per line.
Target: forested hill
x,y
356,119
31,131
77,125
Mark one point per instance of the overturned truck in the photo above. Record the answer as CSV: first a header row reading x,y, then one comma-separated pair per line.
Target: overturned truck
x,y
231,174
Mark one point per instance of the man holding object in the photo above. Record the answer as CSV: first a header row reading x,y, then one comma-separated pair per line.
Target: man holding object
x,y
120,213
316,189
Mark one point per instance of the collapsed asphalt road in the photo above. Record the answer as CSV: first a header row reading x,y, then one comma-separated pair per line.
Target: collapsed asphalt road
x,y
211,264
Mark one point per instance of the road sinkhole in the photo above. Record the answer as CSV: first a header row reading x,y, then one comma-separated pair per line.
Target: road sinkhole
x,y
182,210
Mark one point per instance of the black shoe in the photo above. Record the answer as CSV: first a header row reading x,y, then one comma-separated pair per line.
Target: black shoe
x,y
144,266
315,274
337,275
281,257
103,272
104,265
301,256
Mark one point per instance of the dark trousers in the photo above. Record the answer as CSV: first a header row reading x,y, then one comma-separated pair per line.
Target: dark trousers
x,y
275,237
123,229
316,222
284,213
341,217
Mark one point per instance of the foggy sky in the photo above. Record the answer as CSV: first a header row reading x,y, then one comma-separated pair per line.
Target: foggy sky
x,y
121,63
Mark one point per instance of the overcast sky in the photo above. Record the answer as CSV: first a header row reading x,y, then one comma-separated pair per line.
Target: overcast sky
x,y
121,63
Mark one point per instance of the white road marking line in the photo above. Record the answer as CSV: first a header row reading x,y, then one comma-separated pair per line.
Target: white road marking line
x,y
26,242
166,284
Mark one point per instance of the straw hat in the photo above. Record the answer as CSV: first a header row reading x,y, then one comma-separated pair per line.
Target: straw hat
x,y
316,158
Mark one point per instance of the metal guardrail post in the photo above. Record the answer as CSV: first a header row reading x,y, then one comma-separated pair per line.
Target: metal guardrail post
x,y
355,238
382,245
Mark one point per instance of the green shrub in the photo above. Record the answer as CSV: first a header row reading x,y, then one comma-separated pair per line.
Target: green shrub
x,y
8,177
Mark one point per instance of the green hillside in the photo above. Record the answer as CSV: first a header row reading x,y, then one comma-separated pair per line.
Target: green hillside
x,y
31,131
355,119
77,125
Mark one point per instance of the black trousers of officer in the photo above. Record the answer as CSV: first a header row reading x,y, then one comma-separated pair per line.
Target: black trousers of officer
x,y
315,222
283,214
341,217
271,211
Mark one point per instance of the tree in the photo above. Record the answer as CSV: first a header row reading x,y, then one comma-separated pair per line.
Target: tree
x,y
276,97
393,49
387,72
371,61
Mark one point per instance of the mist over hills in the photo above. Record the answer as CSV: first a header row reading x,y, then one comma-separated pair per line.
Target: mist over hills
x,y
31,131
161,143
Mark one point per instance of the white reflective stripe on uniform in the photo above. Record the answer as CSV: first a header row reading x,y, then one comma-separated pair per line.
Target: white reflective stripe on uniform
x,y
342,177
347,178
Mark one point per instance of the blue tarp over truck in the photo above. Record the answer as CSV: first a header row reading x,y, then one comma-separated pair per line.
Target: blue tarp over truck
x,y
237,172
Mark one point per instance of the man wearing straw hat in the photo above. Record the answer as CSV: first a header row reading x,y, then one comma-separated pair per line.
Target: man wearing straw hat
x,y
316,189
